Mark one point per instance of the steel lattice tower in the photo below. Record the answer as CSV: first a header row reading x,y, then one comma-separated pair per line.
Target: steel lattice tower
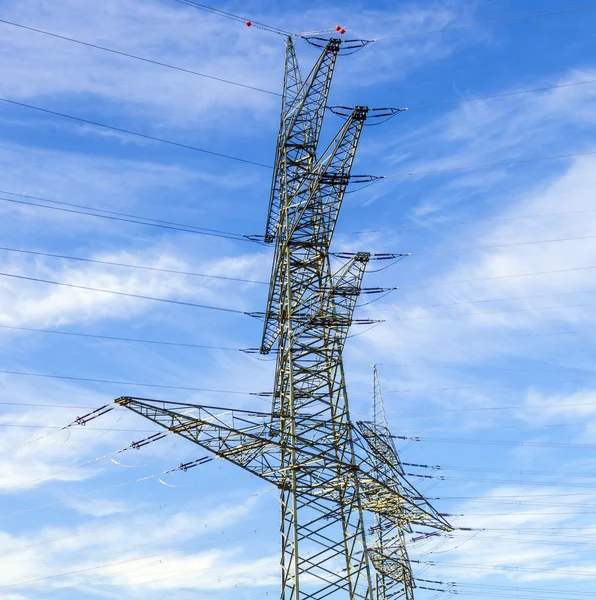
x,y
329,470
388,552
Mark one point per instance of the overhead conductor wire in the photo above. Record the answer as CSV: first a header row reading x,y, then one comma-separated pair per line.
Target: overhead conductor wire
x,y
484,24
129,266
123,217
257,89
267,166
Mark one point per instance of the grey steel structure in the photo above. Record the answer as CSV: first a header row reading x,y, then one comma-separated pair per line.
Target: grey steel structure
x,y
329,471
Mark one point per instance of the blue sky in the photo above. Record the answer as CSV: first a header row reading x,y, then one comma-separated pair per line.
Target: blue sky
x,y
503,400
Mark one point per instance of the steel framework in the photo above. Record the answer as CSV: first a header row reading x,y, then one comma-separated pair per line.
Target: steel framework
x,y
329,470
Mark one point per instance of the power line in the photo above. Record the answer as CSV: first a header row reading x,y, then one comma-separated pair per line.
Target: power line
x,y
480,409
118,264
484,386
32,405
556,240
233,17
257,164
502,94
158,509
117,485
485,300
136,384
430,224
400,18
484,24
135,133
489,426
491,312
512,471
217,581
477,280
121,339
524,590
525,498
209,232
136,219
507,568
105,429
189,229
525,503
518,482
496,442
136,57
171,554
495,164
264,91
480,367
138,296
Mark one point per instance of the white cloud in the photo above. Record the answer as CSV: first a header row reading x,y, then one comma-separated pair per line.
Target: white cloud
x,y
148,550
179,35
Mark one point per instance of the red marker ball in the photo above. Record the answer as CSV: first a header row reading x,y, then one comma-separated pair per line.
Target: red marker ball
x,y
342,31
337,28
248,23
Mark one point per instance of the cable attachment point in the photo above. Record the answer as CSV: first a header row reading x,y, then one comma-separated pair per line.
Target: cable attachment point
x,y
343,47
358,256
148,440
425,536
257,314
377,290
189,465
98,412
371,113
256,238
389,256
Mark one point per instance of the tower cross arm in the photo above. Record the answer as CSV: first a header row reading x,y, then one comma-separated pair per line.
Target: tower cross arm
x,y
249,439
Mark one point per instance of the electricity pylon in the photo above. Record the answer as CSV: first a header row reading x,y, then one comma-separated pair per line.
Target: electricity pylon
x,y
307,446
388,552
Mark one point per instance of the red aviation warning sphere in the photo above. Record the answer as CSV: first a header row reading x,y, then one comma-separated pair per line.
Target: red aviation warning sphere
x,y
337,28
342,31
248,23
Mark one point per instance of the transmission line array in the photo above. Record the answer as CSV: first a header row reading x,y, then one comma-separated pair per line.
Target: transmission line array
x,y
116,216
134,133
129,266
187,228
258,164
261,90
